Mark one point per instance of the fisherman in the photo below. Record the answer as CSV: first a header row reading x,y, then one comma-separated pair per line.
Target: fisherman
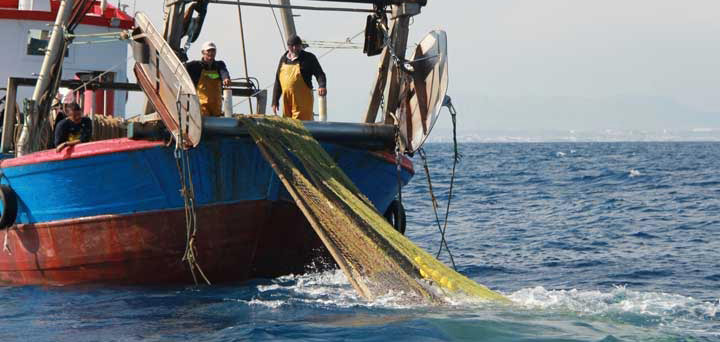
x,y
293,81
59,110
74,129
209,76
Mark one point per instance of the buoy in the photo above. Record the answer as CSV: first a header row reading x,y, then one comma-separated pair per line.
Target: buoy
x,y
395,214
9,206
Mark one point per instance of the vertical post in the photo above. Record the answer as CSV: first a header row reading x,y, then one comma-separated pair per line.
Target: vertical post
x,y
227,102
261,98
53,49
380,81
8,133
401,15
288,20
172,31
244,52
55,45
322,107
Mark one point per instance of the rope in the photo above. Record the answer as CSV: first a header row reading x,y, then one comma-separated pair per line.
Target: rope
x,y
398,158
443,241
456,159
277,23
187,191
6,244
84,85
349,40
326,44
242,39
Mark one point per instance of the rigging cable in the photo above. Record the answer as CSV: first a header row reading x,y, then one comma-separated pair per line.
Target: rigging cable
x,y
242,39
447,102
349,40
182,161
277,23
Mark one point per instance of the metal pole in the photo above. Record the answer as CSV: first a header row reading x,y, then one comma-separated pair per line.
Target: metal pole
x,y
308,8
287,19
8,133
402,14
244,52
53,50
380,82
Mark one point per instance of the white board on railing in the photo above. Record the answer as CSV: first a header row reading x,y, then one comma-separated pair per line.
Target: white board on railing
x,y
422,97
166,83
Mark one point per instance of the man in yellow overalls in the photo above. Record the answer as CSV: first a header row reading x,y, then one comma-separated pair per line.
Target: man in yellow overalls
x,y
209,76
293,81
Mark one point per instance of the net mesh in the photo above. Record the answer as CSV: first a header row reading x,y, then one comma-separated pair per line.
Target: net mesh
x,y
376,258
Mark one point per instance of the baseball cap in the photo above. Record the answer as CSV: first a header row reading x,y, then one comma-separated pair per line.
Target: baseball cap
x,y
209,46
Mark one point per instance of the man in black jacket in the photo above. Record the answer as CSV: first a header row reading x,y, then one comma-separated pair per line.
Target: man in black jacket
x,y
293,81
209,76
74,129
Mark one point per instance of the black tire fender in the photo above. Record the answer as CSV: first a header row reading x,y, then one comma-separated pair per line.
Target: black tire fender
x,y
9,206
395,215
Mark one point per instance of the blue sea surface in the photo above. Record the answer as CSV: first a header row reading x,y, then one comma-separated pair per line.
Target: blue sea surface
x,y
591,241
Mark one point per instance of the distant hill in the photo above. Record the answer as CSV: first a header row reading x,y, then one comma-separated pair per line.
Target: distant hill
x,y
622,118
583,114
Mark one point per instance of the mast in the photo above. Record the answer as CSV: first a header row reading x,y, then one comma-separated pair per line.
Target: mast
x,y
173,29
288,20
387,83
54,49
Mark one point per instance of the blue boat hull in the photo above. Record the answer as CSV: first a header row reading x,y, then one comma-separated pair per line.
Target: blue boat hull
x,y
117,186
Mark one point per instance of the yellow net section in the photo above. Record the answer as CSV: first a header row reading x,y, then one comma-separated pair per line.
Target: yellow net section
x,y
375,257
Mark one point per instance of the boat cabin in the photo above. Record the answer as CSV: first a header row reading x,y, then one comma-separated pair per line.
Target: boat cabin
x,y
26,26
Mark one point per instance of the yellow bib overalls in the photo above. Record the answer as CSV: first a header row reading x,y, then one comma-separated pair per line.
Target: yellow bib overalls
x,y
297,96
209,90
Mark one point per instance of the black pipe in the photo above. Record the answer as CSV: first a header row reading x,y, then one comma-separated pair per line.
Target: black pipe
x,y
379,2
356,135
361,135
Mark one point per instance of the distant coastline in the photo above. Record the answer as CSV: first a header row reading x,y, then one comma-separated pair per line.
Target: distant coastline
x,y
441,135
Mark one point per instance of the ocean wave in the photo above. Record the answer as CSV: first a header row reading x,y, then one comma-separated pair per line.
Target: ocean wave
x,y
621,303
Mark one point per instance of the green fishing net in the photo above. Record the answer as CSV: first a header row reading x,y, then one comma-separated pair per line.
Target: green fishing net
x,y
376,258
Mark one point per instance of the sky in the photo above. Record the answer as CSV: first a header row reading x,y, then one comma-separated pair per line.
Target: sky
x,y
516,64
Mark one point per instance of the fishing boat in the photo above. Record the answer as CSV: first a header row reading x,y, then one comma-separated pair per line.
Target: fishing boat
x,y
183,193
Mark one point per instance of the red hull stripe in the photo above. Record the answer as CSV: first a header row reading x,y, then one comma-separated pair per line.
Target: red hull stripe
x,y
95,16
82,151
405,162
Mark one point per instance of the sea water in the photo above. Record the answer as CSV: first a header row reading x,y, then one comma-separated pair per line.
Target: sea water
x,y
591,241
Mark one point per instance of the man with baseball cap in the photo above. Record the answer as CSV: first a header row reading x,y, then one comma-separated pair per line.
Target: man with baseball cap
x,y
209,76
293,81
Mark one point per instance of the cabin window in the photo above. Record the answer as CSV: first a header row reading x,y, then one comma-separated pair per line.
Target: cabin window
x,y
38,41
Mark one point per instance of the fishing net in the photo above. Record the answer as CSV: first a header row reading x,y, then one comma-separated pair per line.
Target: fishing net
x,y
376,258
108,127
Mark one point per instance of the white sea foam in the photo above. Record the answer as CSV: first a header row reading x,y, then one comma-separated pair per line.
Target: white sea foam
x,y
635,173
332,289
618,301
272,304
